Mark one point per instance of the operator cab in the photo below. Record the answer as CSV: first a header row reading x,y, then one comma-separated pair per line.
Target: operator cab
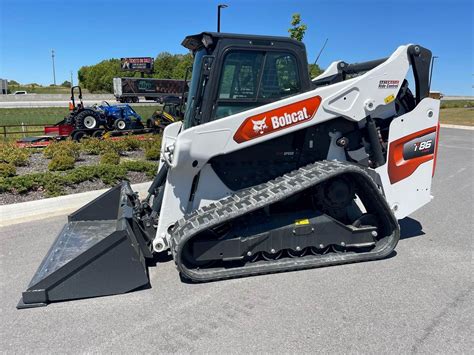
x,y
234,73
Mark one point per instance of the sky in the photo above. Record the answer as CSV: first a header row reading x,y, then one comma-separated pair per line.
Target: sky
x,y
86,32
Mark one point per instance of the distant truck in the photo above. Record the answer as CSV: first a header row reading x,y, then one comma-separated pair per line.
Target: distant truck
x,y
131,89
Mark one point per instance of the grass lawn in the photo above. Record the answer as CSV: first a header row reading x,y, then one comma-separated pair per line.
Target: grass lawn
x,y
459,116
51,115
42,89
47,115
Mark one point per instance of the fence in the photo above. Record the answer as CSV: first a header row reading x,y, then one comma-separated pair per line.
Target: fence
x,y
20,130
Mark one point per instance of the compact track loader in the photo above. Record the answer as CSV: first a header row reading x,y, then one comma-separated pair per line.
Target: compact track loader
x,y
269,171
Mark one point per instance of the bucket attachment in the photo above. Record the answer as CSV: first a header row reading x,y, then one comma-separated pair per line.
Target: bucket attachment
x,y
100,251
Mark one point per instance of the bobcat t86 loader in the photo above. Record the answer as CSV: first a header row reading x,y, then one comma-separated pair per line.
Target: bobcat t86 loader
x,y
269,171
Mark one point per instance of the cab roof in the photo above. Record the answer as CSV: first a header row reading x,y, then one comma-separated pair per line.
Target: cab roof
x,y
209,39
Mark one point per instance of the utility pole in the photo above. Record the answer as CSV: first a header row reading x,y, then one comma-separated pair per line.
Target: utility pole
x,y
72,82
54,70
219,7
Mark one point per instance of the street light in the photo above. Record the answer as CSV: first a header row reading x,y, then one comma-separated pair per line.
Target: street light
x,y
219,7
431,70
54,70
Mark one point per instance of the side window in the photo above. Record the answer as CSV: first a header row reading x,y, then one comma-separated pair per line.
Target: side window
x,y
280,76
240,75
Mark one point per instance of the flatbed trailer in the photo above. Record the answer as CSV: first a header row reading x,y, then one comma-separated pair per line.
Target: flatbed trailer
x,y
62,131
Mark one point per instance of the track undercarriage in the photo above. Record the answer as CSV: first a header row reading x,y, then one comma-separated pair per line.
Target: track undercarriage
x,y
322,214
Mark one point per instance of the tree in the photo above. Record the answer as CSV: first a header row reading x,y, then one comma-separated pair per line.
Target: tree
x,y
298,30
66,84
98,77
184,61
13,82
164,65
314,70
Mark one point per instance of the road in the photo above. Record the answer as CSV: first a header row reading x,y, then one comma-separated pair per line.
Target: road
x,y
417,301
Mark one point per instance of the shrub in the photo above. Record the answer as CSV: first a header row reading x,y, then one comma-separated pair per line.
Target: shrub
x,y
141,166
24,183
118,146
11,154
131,143
91,146
111,158
61,162
152,152
53,184
111,174
7,170
64,148
80,174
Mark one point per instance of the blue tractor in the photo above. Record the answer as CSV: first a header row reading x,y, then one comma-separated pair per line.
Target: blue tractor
x,y
109,117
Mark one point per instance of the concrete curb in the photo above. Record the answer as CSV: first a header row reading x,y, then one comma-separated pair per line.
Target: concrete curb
x,y
56,206
455,126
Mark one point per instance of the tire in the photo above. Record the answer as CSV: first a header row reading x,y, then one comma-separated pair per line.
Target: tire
x,y
150,123
88,119
120,124
97,134
135,100
77,136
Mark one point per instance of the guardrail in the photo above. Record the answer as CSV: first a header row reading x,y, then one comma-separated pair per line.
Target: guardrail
x,y
24,129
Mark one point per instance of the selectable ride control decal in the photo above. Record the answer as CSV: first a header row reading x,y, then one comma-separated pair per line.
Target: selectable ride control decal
x,y
277,119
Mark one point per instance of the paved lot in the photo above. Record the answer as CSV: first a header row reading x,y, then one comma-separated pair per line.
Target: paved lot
x,y
418,301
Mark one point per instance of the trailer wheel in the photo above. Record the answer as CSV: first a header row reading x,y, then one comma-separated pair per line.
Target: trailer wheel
x,y
97,134
88,119
120,124
77,136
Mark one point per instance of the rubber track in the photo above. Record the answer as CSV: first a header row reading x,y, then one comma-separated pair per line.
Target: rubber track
x,y
256,197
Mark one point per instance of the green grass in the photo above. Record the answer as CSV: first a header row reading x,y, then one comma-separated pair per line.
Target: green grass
x,y
458,116
42,89
44,115
457,104
51,115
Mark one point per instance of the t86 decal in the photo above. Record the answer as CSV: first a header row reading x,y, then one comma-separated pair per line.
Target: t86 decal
x,y
277,119
406,154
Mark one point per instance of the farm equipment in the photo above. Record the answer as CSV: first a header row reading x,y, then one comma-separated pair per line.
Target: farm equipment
x,y
171,112
120,117
94,121
269,171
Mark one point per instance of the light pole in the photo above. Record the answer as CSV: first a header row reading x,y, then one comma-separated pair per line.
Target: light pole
x,y
72,82
431,70
54,70
219,7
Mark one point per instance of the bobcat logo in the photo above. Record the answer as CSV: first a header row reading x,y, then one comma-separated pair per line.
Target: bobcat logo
x,y
260,126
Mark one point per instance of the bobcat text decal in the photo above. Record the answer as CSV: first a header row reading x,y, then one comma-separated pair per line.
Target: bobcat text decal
x,y
277,119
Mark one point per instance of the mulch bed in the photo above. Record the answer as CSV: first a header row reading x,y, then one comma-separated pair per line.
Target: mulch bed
x,y
38,163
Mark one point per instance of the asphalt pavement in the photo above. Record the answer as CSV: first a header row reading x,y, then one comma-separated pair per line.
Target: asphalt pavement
x,y
419,300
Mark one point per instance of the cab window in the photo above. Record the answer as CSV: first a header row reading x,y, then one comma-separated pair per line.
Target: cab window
x,y
254,78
